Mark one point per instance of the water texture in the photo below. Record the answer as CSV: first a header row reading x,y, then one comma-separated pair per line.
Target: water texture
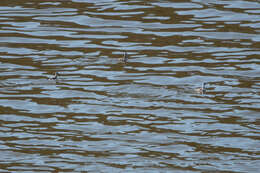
x,y
102,114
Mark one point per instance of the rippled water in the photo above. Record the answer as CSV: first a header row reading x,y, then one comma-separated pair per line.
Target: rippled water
x,y
104,115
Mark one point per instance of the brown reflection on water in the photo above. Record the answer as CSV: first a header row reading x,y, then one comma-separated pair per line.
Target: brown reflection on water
x,y
140,116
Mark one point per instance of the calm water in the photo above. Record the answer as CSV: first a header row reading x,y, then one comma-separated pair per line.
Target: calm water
x,y
102,115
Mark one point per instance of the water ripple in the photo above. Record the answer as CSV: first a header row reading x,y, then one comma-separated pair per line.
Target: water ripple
x,y
142,115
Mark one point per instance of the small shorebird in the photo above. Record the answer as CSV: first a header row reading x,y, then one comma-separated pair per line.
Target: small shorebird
x,y
55,76
125,58
201,90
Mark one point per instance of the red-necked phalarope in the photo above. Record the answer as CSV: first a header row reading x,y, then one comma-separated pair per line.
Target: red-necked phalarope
x,y
202,89
55,76
125,58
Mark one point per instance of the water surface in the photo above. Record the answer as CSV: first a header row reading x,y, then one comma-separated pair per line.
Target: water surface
x,y
103,115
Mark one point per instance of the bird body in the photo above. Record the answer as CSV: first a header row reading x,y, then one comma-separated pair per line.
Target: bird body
x,y
201,89
125,58
55,76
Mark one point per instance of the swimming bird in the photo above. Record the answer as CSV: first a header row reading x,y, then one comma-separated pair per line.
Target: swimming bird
x,y
55,76
125,58
201,90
